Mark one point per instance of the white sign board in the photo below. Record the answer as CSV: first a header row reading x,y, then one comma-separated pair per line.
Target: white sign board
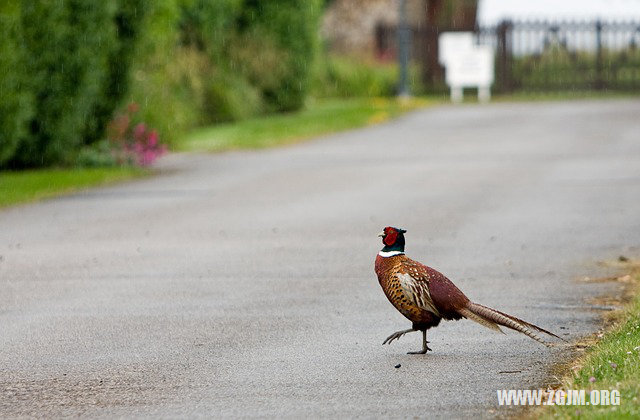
x,y
471,68
466,64
451,43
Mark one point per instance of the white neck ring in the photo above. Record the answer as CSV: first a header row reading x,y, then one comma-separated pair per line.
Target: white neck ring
x,y
390,253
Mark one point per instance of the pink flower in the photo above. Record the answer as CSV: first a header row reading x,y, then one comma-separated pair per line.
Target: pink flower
x,y
133,144
153,138
138,131
147,157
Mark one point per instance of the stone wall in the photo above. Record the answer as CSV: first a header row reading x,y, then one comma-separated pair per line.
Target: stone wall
x,y
349,25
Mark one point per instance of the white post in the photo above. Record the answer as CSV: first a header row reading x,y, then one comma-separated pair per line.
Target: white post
x,y
484,94
456,94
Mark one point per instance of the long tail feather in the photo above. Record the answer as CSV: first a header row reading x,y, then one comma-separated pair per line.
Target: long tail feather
x,y
491,318
535,327
480,320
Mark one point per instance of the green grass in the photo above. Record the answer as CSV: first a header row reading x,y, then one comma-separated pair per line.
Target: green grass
x,y
323,117
612,363
31,185
567,95
330,116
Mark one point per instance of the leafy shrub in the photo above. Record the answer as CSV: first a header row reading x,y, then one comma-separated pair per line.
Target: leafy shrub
x,y
339,76
16,101
292,26
233,59
230,98
348,77
74,58
170,95
65,45
186,62
97,155
168,77
221,90
260,61
128,19
207,25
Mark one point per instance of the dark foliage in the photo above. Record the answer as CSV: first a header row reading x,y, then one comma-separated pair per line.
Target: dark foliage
x,y
73,58
67,65
16,102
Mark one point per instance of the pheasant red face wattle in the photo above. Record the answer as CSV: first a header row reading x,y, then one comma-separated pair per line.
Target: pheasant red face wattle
x,y
390,238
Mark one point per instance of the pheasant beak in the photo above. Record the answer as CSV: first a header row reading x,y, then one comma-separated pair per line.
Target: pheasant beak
x,y
381,234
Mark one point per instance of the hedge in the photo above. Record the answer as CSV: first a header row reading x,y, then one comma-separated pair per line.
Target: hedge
x,y
288,30
67,65
16,104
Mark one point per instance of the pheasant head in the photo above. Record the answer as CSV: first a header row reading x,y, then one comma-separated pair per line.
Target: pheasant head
x,y
393,240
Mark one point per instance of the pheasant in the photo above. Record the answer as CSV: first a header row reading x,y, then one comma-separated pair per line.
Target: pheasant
x,y
425,296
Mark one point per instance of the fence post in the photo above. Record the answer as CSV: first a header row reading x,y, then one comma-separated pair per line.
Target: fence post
x,y
504,56
403,50
599,82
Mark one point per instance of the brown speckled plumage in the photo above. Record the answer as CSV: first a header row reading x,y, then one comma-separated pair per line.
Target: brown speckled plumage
x,y
420,293
425,296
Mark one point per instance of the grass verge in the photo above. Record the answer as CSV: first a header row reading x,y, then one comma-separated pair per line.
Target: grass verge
x,y
568,95
32,185
611,363
323,117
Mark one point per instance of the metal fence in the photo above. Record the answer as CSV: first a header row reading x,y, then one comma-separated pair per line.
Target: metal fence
x,y
541,55
548,56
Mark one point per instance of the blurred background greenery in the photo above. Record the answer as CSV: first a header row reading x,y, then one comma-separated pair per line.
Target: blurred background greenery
x,y
67,67
88,83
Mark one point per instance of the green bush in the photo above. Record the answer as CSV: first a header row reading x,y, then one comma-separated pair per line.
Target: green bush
x,y
128,19
293,27
64,67
339,76
16,100
208,25
348,77
230,98
207,33
261,62
252,57
166,78
96,155
269,44
181,74
66,45
184,62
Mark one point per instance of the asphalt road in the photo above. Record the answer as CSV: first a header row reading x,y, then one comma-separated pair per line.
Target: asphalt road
x,y
242,284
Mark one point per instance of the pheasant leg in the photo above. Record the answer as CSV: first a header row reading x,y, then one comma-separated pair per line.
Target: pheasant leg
x,y
425,348
396,335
